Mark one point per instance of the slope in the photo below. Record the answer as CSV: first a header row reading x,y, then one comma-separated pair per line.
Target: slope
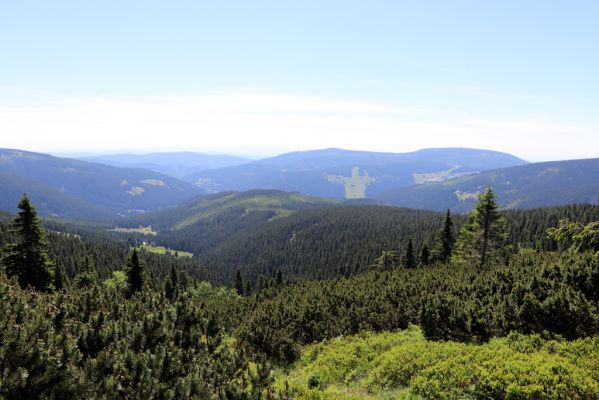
x,y
327,240
175,164
348,174
49,201
205,223
533,185
110,189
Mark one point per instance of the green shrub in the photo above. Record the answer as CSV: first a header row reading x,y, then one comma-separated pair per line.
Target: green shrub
x,y
404,365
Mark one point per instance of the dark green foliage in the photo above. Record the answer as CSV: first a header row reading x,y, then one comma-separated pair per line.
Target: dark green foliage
x,y
425,255
92,343
87,276
445,240
27,258
527,228
409,258
536,292
483,238
323,242
171,286
136,272
59,283
177,337
238,283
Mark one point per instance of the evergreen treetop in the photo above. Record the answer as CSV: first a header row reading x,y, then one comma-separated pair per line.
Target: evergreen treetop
x,y
239,283
445,240
409,256
136,272
87,276
425,255
27,259
483,238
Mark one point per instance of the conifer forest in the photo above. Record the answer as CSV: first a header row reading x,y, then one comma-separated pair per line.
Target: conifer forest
x,y
299,200
444,305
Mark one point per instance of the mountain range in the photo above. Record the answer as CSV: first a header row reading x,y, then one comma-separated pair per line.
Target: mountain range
x,y
175,164
72,188
526,186
434,179
346,174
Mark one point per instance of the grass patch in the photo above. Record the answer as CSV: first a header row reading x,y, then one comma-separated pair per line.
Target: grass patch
x,y
164,250
143,230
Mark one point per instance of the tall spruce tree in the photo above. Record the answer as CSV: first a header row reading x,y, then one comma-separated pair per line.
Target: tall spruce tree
x,y
409,256
239,283
59,283
445,240
136,272
425,255
27,259
483,238
172,284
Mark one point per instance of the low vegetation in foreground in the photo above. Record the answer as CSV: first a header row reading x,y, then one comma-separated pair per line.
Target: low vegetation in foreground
x,y
405,365
470,318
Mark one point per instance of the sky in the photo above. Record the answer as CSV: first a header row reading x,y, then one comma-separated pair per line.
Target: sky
x,y
258,78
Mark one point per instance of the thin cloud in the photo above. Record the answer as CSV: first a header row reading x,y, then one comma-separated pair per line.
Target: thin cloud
x,y
245,122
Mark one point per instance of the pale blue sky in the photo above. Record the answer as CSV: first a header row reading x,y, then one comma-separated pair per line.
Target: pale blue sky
x,y
260,77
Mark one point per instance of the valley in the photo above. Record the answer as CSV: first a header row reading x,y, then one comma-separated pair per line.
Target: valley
x,y
297,296
283,200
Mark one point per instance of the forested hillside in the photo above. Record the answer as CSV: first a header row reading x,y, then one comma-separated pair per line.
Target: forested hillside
x,y
149,327
526,186
70,244
329,172
72,188
263,232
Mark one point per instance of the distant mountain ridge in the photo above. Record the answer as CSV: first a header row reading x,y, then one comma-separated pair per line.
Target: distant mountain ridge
x,y
78,189
175,164
527,186
339,173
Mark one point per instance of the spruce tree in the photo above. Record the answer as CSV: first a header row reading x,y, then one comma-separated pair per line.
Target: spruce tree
x,y
58,279
136,272
248,288
279,278
409,257
171,284
27,259
483,238
239,283
425,255
87,276
445,240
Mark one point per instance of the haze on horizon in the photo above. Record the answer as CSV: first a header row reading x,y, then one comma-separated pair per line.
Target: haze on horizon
x,y
263,78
